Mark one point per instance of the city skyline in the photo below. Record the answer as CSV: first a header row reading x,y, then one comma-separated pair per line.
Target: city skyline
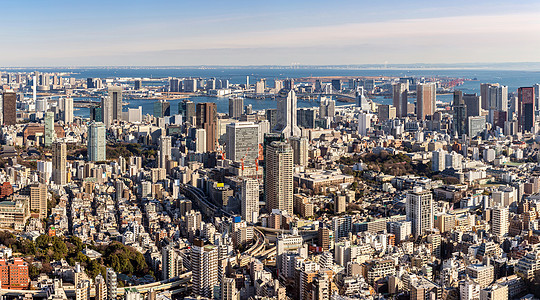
x,y
241,33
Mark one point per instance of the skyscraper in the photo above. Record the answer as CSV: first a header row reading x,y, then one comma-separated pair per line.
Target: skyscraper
x,y
9,108
50,134
286,114
206,115
460,114
399,96
495,100
112,105
526,117
499,221
204,267
425,100
236,107
164,151
250,200
96,142
364,123
243,142
169,262
67,110
187,109
162,109
38,199
279,176
361,99
419,209
300,150
473,103
327,108
112,284
59,163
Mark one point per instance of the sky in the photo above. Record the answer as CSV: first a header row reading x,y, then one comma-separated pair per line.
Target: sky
x,y
38,33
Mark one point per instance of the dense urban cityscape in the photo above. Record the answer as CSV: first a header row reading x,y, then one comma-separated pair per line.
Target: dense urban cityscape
x,y
344,198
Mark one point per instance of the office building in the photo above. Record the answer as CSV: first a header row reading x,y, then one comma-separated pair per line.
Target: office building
x,y
364,123
250,200
279,177
96,142
134,115
59,163
271,116
425,100
327,108
164,151
188,110
386,112
162,109
419,209
499,221
423,289
482,274
96,114
15,274
399,96
112,105
50,134
460,114
526,115
362,100
306,117
38,199
200,140
67,110
286,114
495,100
243,142
476,126
474,105
206,118
9,108
204,267
336,85
299,146
236,107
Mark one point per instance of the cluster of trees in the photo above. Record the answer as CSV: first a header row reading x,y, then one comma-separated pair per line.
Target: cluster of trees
x,y
395,164
46,249
124,259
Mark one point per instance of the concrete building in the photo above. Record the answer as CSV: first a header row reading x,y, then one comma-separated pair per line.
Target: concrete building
x,y
50,134
300,150
243,142
286,114
279,176
204,266
250,200
206,118
236,107
419,210
59,172
400,94
96,142
112,105
425,99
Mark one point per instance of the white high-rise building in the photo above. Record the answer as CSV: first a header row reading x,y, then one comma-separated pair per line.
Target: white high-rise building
x,y
134,115
164,151
67,110
170,262
499,221
200,140
438,160
243,142
96,142
204,267
279,176
469,290
250,200
364,123
286,114
419,208
112,284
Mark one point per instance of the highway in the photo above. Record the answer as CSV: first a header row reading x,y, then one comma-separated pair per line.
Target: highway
x,y
181,283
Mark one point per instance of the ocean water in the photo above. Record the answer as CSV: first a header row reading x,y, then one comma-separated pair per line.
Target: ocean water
x,y
513,79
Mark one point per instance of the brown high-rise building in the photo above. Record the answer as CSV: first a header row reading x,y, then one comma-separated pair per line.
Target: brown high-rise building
x,y
323,235
206,116
38,199
425,100
526,109
9,108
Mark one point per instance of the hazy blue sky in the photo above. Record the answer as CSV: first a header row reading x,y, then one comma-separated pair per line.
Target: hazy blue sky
x,y
182,33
